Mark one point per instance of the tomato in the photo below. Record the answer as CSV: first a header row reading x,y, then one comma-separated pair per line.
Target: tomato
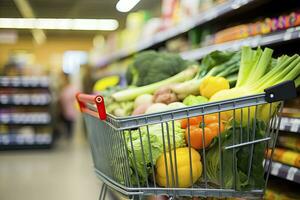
x,y
214,127
210,118
196,137
194,121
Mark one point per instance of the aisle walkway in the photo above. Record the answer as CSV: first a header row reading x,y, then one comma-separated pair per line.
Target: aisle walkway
x,y
64,173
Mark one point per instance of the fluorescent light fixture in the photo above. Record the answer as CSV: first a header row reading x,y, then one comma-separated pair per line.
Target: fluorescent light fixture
x,y
59,24
126,5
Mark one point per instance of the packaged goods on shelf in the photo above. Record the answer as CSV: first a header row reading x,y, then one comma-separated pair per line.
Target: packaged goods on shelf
x,y
285,156
25,117
265,26
290,142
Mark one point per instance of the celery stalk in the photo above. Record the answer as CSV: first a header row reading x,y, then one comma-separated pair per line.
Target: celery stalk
x,y
248,59
261,67
297,82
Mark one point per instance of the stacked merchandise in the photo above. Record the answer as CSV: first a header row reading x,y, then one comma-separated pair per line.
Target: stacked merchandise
x,y
24,112
261,27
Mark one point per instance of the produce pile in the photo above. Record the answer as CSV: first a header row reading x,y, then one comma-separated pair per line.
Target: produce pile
x,y
163,81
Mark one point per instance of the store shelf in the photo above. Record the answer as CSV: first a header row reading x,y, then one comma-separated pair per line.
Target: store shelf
x,y
23,139
24,81
286,172
25,99
36,118
213,13
255,41
290,124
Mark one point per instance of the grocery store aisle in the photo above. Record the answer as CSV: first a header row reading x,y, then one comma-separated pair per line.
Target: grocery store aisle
x,y
65,172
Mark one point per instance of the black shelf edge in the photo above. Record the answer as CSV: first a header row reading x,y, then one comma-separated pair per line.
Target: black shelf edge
x,y
285,171
195,21
254,41
289,124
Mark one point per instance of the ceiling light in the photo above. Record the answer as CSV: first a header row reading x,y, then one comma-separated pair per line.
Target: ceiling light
x,y
59,24
126,5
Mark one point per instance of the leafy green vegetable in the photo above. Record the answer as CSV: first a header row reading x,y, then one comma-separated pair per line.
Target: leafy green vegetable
x,y
151,66
223,68
132,93
120,109
235,162
192,100
215,58
139,151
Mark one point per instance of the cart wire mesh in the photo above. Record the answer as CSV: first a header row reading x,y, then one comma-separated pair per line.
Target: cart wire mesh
x,y
126,153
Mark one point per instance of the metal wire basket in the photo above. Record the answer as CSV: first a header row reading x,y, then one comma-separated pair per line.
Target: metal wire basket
x,y
125,150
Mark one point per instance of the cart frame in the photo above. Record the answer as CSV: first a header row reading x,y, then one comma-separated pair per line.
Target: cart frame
x,y
110,150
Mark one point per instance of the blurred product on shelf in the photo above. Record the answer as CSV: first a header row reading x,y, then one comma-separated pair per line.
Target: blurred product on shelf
x,y
279,190
261,27
285,156
67,102
142,29
289,141
292,108
25,117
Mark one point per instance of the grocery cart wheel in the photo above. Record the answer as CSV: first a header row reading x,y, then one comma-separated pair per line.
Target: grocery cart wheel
x,y
103,192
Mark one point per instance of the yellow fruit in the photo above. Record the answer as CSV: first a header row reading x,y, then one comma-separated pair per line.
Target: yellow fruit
x,y
211,85
183,168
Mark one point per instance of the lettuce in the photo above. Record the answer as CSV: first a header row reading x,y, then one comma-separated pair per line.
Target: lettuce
x,y
140,158
242,156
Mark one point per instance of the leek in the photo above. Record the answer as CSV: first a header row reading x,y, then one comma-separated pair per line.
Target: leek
x,y
132,93
255,76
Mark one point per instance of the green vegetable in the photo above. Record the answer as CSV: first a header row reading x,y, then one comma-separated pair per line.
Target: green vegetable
x,y
150,66
156,107
254,77
175,105
297,81
132,93
120,109
235,162
224,69
192,100
139,151
213,59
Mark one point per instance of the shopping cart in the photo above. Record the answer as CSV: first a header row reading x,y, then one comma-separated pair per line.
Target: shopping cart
x,y
233,165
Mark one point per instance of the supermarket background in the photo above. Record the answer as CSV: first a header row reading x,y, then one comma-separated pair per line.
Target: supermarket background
x,y
44,151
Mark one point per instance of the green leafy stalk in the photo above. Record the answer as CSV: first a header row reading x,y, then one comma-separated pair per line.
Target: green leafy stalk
x,y
261,67
132,93
297,82
271,75
248,59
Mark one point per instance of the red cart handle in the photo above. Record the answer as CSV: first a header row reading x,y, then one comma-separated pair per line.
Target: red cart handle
x,y
98,100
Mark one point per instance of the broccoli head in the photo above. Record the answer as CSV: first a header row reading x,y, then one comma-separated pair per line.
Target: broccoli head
x,y
150,67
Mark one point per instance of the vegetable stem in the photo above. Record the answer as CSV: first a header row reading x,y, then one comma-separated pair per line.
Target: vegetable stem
x,y
130,94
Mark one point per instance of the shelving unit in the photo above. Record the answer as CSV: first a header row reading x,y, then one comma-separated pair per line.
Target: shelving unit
x,y
218,11
284,171
290,124
259,40
25,104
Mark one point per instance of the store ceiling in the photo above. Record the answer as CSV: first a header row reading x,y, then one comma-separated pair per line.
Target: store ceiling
x,y
97,9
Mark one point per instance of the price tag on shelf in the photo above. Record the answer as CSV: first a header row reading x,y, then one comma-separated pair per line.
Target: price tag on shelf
x,y
275,168
287,36
291,173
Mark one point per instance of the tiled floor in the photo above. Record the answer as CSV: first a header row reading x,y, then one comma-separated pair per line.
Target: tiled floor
x,y
63,173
